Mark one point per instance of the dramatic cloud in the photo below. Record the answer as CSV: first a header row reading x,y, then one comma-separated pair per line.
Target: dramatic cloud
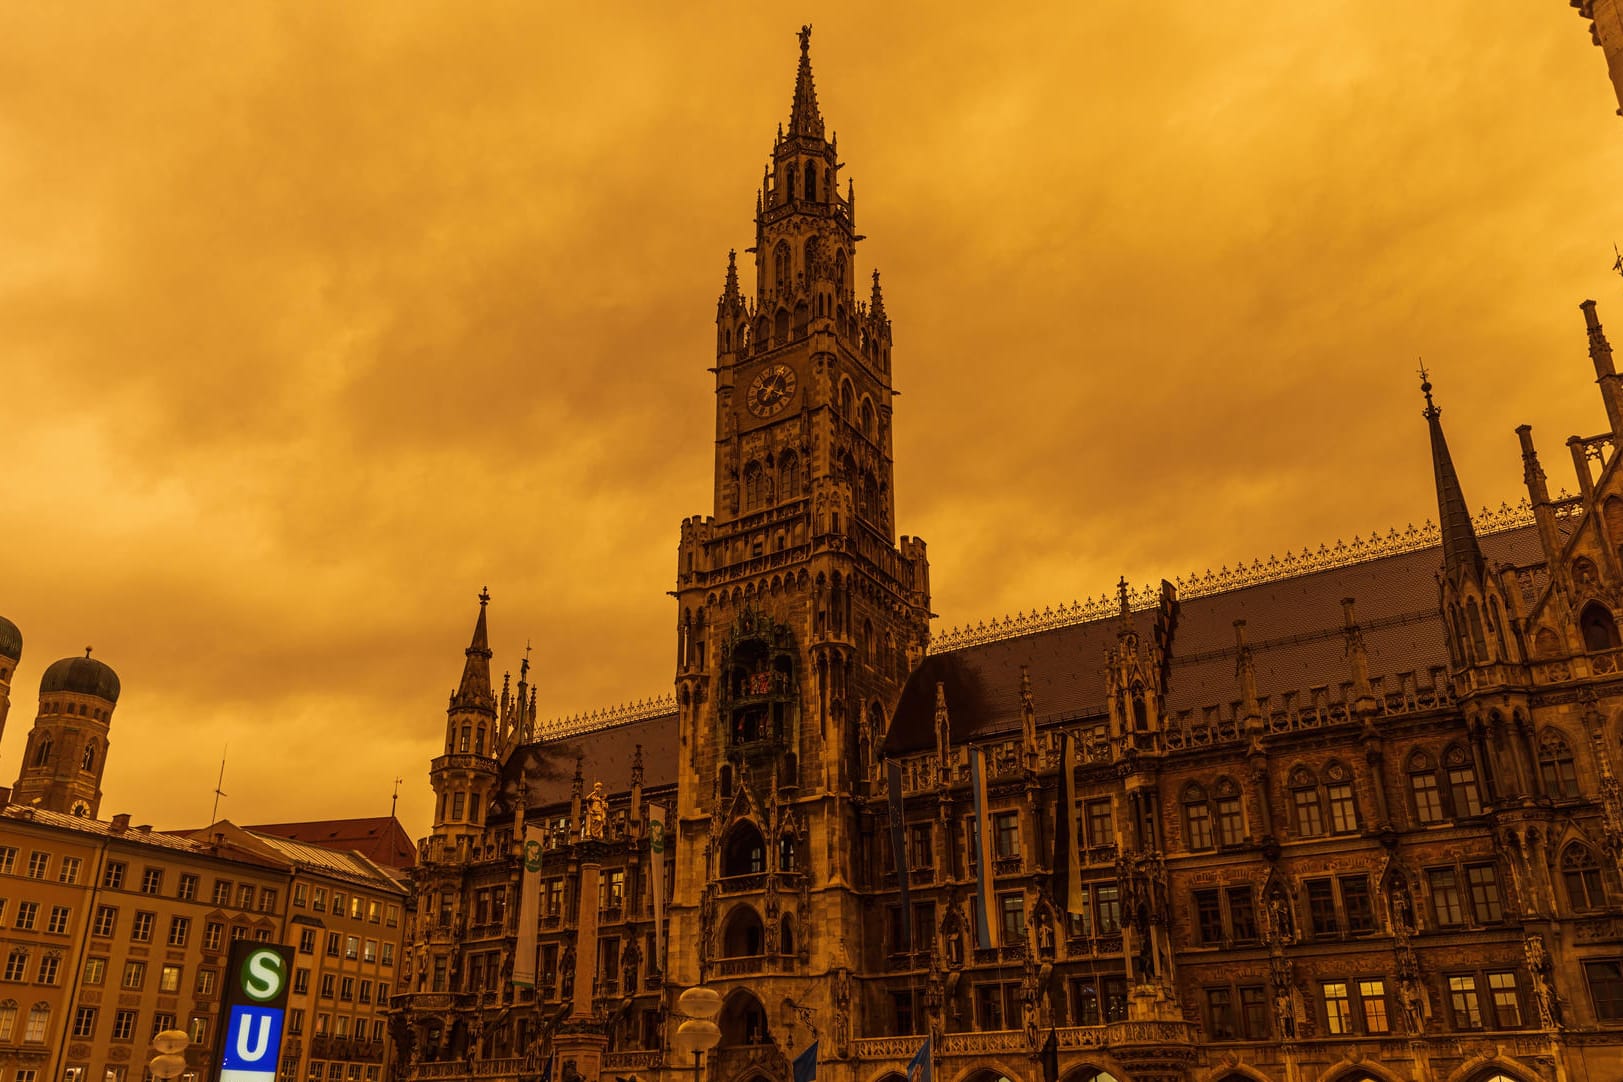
x,y
319,318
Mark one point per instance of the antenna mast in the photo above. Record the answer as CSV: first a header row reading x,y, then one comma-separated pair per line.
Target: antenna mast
x,y
214,816
394,797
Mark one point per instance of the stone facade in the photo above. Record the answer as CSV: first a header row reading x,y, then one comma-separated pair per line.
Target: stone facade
x,y
1350,817
1606,30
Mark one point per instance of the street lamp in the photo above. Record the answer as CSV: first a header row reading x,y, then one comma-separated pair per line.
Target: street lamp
x,y
170,1061
698,1034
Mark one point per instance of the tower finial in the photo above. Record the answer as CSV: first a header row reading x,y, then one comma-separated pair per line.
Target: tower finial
x,y
804,119
1461,553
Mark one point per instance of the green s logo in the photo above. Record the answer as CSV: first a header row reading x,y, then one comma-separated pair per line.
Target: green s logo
x,y
263,974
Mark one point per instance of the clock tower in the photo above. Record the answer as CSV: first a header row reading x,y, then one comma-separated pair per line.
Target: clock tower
x,y
800,614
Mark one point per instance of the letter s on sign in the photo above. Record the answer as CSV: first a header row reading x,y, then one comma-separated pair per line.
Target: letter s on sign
x,y
262,975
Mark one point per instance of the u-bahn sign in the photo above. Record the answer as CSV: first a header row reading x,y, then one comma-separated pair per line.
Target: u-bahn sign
x,y
255,1009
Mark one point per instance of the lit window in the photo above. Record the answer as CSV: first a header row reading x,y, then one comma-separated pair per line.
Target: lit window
x,y
1337,1008
1463,999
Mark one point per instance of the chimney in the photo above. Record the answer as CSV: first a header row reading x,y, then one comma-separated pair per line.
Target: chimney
x,y
121,822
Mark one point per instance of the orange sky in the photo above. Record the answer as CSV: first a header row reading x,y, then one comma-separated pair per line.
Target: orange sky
x,y
318,318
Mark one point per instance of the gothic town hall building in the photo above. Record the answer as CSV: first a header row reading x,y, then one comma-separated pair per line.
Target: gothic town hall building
x,y
1350,817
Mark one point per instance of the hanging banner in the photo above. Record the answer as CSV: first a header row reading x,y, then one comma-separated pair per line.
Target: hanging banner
x,y
986,925
656,867
529,909
1067,882
898,846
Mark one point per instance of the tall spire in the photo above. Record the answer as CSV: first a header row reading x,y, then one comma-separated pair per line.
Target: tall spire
x,y
474,692
804,119
729,287
1461,553
876,300
1600,352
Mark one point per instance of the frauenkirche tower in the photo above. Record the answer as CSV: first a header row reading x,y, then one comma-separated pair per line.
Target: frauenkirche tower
x,y
800,614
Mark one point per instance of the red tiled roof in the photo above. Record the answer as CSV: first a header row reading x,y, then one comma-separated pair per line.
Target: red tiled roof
x,y
380,839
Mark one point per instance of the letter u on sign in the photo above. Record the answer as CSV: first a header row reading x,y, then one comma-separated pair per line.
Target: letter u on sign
x,y
253,1040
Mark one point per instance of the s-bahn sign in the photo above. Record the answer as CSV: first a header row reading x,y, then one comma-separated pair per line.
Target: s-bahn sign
x,y
255,1008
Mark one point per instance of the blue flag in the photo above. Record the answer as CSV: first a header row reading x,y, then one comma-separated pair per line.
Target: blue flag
x,y
918,1070
806,1064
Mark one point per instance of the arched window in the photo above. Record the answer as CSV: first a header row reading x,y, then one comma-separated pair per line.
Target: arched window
x,y
754,486
744,852
1478,642
811,182
1340,799
39,1021
1580,872
1306,804
839,271
780,266
743,1021
789,185
1423,787
1197,817
1600,630
466,740
788,476
88,762
743,936
780,327
1464,796
786,853
8,1019
847,400
802,317
1141,717
1230,813
42,753
868,418
479,741
1556,765
787,940
814,248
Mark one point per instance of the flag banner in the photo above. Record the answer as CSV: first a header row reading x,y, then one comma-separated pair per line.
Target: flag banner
x,y
985,925
1050,1056
1067,885
529,909
806,1064
898,845
918,1070
656,868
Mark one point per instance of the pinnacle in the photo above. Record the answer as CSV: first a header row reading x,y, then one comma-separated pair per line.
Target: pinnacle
x,y
804,118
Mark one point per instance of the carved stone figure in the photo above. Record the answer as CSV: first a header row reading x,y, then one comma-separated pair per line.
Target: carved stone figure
x,y
597,813
842,1009
1538,968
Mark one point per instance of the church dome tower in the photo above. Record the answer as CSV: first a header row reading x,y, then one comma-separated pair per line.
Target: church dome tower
x,y
67,748
11,652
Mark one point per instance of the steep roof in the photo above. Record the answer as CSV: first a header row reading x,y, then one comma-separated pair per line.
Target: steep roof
x,y
380,839
1293,626
605,755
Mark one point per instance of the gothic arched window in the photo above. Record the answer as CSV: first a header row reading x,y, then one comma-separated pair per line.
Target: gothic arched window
x,y
754,486
42,754
811,182
1306,804
1339,797
839,274
1464,796
867,418
847,400
1478,642
1556,767
1580,872
1600,630
88,762
788,476
780,266
1197,817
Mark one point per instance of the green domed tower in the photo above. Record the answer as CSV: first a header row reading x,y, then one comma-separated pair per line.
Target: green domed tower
x,y
67,749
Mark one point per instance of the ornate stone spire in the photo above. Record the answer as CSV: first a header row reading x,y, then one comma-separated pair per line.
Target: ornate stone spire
x,y
1600,352
730,294
1461,553
876,301
474,692
804,119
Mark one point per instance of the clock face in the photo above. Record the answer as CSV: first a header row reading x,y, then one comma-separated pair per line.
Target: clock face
x,y
772,390
81,809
